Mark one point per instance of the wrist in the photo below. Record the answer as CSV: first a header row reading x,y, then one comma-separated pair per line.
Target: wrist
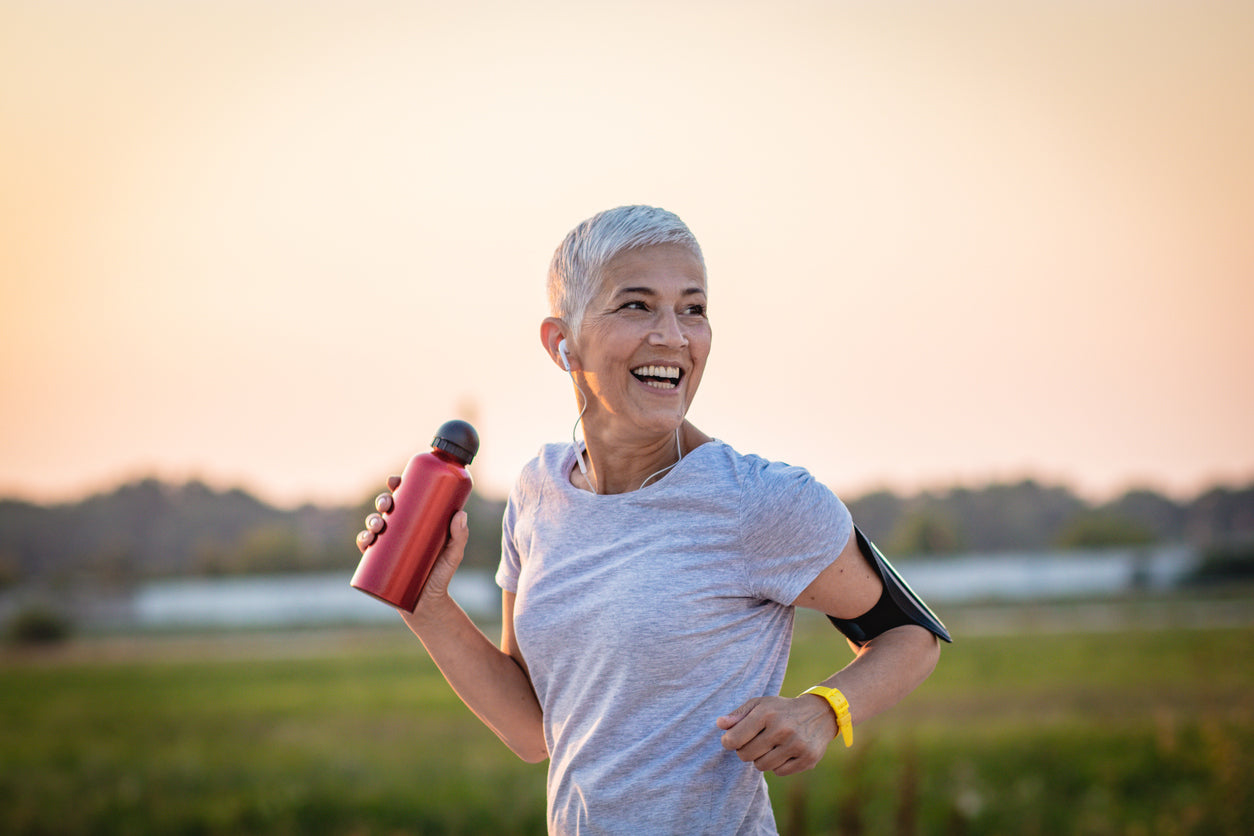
x,y
840,708
431,612
823,715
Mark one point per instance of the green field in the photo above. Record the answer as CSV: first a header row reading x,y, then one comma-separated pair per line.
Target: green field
x,y
354,732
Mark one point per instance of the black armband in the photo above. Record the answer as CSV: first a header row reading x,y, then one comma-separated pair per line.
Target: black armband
x,y
897,606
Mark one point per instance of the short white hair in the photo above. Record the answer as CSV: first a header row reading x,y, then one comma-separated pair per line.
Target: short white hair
x,y
575,272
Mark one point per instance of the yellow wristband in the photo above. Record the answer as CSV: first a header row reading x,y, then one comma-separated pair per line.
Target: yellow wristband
x,y
844,724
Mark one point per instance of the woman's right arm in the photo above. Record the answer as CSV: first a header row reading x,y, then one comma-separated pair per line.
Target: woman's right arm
x,y
492,682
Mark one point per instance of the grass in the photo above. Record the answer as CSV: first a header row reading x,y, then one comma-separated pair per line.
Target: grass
x,y
1138,732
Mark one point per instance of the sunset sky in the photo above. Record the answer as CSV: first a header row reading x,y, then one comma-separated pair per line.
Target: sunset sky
x,y
275,244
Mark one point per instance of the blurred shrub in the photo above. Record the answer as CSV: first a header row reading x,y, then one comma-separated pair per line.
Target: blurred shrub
x,y
1225,564
36,625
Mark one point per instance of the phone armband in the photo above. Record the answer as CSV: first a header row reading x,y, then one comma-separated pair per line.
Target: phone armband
x,y
898,604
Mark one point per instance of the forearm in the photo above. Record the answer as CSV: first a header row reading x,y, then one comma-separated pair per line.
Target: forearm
x,y
489,681
886,670
786,736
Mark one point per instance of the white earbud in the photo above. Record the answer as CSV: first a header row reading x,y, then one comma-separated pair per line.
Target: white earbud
x,y
562,350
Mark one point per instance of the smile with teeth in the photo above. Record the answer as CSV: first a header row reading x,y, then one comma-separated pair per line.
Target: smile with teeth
x,y
659,377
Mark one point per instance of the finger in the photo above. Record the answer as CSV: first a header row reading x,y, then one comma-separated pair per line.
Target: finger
x,y
394,482
792,766
773,743
364,539
743,726
732,718
782,746
774,759
383,503
755,750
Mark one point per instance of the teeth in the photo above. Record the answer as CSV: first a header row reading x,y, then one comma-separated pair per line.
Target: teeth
x,y
659,377
658,371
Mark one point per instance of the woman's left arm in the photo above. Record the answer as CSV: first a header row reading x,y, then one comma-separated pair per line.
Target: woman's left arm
x,y
788,735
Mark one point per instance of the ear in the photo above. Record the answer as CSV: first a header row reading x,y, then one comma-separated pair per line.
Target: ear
x,y
552,332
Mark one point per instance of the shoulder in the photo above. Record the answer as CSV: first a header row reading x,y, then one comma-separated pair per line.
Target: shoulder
x,y
759,475
775,494
534,489
539,474
549,463
764,491
791,525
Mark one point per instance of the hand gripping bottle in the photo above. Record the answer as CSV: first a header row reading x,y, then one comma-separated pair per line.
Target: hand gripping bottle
x,y
433,488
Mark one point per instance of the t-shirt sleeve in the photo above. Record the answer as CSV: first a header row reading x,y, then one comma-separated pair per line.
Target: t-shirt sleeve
x,y
511,561
792,527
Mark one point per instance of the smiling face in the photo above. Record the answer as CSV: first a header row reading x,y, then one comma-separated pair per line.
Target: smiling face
x,y
643,342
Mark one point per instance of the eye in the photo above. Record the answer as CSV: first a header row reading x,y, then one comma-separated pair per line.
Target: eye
x,y
633,305
694,310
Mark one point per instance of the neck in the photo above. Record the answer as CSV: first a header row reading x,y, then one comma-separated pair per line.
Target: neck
x,y
615,467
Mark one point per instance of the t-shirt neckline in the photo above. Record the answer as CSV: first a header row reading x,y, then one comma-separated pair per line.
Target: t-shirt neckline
x,y
568,465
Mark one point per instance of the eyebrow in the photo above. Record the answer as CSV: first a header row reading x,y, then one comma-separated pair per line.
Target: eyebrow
x,y
648,291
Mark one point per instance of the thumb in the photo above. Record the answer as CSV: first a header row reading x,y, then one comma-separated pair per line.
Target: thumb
x,y
459,527
458,535
450,556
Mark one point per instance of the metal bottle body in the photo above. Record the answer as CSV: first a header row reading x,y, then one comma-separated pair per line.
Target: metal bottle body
x,y
395,567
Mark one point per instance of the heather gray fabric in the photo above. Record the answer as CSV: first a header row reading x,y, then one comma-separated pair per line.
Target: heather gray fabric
x,y
643,617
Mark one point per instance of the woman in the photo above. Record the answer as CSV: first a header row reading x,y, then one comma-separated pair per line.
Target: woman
x,y
650,573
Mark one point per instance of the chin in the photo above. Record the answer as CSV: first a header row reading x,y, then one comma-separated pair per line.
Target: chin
x,y
666,424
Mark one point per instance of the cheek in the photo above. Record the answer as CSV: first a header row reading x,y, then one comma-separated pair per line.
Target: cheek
x,y
700,346
700,355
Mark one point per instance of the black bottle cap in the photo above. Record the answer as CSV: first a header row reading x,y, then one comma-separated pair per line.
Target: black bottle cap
x,y
458,439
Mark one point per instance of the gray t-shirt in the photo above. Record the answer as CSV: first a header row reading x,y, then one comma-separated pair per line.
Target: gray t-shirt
x,y
645,616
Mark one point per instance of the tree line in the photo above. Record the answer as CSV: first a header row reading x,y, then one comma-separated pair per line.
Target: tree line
x,y
149,528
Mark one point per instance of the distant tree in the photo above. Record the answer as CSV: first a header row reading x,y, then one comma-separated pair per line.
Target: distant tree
x,y
113,567
147,528
877,513
925,531
270,548
483,550
1001,516
10,569
211,558
1222,515
1153,511
1100,530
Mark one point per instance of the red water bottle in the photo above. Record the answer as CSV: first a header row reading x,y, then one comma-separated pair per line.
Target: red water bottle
x,y
433,488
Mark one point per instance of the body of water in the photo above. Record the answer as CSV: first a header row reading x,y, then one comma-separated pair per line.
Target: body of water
x,y
1026,576
276,600
327,598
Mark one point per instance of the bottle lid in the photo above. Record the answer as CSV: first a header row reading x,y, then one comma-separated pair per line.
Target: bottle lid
x,y
458,439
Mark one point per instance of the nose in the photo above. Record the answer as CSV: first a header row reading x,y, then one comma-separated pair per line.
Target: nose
x,y
668,331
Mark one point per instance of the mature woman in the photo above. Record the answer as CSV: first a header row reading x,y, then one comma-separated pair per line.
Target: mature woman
x,y
650,573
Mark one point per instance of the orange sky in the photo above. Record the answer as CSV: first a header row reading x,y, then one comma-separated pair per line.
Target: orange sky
x,y
276,244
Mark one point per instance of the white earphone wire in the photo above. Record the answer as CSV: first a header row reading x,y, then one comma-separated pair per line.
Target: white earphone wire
x,y
678,449
583,468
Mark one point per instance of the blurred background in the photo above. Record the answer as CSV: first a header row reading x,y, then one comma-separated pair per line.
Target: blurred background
x,y
985,268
